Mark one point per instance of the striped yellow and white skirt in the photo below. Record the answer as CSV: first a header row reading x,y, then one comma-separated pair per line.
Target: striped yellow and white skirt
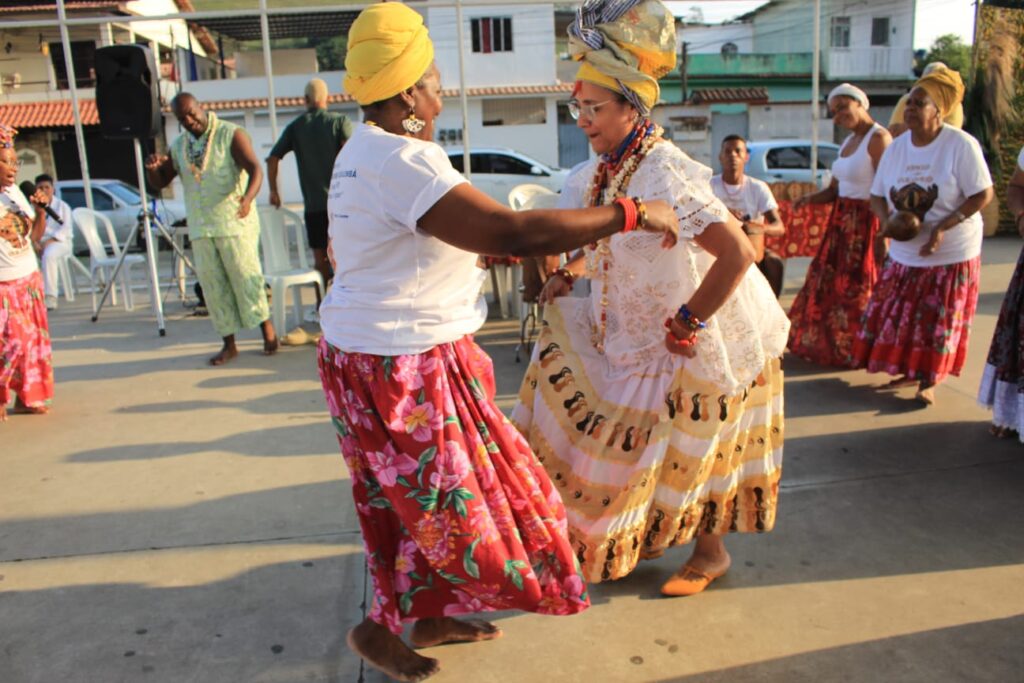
x,y
648,461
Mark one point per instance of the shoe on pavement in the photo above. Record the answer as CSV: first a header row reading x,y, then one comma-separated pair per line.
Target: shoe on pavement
x,y
51,303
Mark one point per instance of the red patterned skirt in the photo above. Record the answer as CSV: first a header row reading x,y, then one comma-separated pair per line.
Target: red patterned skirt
x,y
826,314
919,321
26,364
457,514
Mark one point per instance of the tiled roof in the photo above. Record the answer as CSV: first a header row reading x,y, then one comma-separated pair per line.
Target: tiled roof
x,y
503,91
58,113
13,8
54,114
726,95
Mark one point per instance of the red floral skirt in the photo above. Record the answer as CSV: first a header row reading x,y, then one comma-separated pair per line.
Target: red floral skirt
x,y
457,514
26,364
826,314
919,320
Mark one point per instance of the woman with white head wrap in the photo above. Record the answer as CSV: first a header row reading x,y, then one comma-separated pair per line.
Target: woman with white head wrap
x,y
827,311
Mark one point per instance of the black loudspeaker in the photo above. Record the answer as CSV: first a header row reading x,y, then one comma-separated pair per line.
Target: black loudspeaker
x,y
127,92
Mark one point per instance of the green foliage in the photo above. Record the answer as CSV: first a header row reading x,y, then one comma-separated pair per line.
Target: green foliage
x,y
951,51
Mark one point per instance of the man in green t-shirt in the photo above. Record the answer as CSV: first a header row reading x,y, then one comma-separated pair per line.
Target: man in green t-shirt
x,y
315,137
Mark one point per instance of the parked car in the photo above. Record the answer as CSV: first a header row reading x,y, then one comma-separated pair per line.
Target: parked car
x,y
782,161
497,170
121,203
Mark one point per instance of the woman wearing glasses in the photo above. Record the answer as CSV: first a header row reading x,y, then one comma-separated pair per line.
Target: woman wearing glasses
x,y
26,373
653,437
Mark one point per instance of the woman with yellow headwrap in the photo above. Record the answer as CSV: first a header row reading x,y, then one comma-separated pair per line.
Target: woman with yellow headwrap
x,y
654,437
954,118
26,370
457,514
917,323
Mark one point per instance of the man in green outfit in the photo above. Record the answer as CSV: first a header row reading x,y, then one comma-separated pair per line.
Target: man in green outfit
x,y
315,137
221,175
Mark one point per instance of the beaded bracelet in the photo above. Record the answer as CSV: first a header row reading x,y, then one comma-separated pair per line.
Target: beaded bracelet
x,y
689,319
565,274
641,212
629,208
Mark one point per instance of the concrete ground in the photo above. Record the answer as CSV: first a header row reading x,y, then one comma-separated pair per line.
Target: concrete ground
x,y
172,522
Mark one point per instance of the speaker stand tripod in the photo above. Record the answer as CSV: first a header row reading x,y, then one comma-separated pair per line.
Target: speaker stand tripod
x,y
151,253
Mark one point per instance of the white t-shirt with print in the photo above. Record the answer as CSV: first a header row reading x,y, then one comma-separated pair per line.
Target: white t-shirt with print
x,y
16,260
953,166
396,289
752,198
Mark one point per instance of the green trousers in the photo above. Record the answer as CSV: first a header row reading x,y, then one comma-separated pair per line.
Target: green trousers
x,y
232,278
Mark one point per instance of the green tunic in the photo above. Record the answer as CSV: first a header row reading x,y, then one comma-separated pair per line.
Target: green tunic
x,y
212,202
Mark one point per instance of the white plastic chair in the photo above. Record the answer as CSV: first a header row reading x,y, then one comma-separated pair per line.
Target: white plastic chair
x,y
100,262
64,279
279,229
521,194
523,198
519,198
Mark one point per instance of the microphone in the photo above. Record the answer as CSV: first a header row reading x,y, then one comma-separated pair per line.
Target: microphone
x,y
28,188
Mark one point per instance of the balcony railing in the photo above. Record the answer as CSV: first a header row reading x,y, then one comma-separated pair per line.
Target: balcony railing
x,y
868,62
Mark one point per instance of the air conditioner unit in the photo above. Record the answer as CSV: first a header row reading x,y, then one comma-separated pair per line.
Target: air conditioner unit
x,y
10,81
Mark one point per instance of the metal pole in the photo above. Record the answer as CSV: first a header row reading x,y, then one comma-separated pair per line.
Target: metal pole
x,y
151,252
815,94
466,159
268,68
69,67
974,46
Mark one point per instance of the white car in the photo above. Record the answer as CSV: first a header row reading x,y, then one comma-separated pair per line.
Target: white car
x,y
783,161
121,203
497,170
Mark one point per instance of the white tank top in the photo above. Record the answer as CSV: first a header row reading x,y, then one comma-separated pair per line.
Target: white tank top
x,y
855,172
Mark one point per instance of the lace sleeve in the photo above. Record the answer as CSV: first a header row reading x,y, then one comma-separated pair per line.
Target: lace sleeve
x,y
668,174
576,186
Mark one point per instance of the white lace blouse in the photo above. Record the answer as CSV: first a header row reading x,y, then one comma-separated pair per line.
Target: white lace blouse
x,y
647,283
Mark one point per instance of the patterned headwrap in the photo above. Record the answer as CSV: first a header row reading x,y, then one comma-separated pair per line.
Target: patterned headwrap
x,y
7,136
624,46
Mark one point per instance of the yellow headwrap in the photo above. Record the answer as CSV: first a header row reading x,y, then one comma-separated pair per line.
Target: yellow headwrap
x,y
625,47
945,87
388,51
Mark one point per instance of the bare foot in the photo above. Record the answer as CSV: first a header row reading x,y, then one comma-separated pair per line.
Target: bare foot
x,y
926,394
1002,432
898,383
270,343
21,409
386,652
438,631
226,354
270,346
3,413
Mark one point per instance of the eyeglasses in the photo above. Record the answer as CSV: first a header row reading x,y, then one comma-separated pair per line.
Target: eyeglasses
x,y
577,109
12,164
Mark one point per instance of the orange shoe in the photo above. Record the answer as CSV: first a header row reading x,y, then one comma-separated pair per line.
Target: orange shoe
x,y
688,581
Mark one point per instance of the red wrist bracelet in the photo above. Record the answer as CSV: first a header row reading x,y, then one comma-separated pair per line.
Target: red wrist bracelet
x,y
629,208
